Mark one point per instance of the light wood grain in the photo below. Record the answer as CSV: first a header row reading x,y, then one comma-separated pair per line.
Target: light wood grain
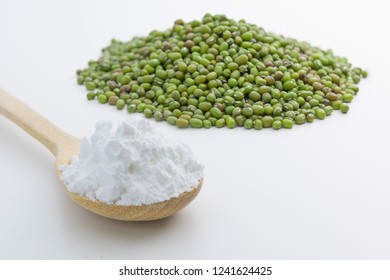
x,y
138,213
64,146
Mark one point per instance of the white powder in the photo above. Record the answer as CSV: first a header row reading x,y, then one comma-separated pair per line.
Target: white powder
x,y
131,164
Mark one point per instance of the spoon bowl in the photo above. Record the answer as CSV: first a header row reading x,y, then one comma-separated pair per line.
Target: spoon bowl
x,y
64,146
149,212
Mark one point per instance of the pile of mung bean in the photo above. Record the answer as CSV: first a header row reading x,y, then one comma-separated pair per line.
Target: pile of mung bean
x,y
221,72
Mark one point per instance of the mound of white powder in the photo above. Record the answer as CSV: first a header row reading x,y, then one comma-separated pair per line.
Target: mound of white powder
x,y
131,164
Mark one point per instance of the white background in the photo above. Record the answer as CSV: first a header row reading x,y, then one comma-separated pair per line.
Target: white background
x,y
318,191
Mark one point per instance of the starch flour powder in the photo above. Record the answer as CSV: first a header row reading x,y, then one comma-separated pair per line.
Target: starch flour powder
x,y
131,164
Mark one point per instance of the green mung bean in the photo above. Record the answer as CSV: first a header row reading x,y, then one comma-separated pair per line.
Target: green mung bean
x,y
221,72
344,107
182,123
287,123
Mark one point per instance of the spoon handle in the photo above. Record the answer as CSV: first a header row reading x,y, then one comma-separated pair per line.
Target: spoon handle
x,y
32,122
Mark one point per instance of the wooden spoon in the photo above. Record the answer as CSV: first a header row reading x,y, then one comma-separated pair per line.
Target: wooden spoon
x,y
64,146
